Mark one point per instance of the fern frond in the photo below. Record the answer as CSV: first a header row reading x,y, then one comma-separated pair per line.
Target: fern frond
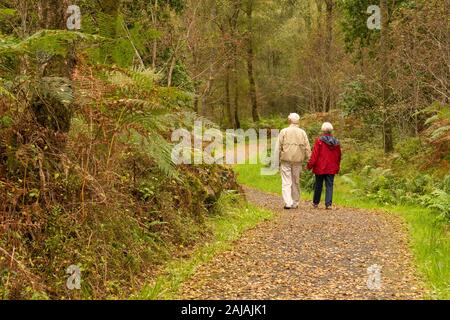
x,y
5,92
6,13
120,79
161,152
439,132
157,148
9,46
52,42
432,119
137,105
144,78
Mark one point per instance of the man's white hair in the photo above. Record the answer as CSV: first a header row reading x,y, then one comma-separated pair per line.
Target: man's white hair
x,y
327,127
294,118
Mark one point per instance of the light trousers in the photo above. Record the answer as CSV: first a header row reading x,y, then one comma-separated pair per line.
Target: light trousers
x,y
290,176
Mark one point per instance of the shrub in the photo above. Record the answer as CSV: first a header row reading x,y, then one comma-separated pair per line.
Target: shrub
x,y
438,200
445,185
410,147
387,187
307,181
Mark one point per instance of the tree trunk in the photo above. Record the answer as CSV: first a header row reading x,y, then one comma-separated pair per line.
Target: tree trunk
x,y
53,14
232,74
384,60
237,123
171,68
55,73
50,113
196,100
206,92
155,42
228,97
250,59
328,53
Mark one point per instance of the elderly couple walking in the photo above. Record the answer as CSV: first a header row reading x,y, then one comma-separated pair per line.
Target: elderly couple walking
x,y
324,161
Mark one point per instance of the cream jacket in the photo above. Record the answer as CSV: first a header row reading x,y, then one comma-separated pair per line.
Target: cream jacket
x,y
294,145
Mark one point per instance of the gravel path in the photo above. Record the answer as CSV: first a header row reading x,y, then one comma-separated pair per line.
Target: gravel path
x,y
310,254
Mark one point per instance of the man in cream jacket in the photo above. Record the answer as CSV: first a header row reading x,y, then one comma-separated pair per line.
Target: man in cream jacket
x,y
294,150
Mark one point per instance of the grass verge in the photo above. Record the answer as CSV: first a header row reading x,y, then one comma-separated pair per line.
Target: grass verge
x,y
430,241
227,225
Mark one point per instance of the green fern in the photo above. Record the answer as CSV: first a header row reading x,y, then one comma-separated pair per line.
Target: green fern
x,y
9,46
438,200
50,42
439,132
157,148
6,13
5,92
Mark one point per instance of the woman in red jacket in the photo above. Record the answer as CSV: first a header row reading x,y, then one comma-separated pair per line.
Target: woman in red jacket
x,y
325,163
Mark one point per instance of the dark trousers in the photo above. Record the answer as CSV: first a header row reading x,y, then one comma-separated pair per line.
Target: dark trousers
x,y
329,183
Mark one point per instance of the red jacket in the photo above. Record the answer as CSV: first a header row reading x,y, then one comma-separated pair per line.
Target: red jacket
x,y
326,156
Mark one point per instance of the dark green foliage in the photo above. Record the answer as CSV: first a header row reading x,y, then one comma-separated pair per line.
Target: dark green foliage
x,y
178,5
398,180
307,181
181,78
355,101
354,22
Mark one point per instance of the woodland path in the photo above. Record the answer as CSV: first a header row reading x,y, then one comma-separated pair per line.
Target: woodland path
x,y
310,254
